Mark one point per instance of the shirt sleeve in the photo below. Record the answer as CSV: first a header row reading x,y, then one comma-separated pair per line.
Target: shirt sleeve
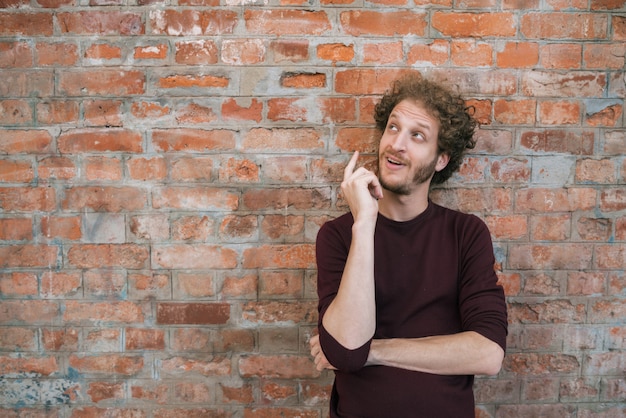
x,y
332,246
481,299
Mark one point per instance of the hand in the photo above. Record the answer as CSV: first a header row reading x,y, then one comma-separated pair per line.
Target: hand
x,y
321,362
361,189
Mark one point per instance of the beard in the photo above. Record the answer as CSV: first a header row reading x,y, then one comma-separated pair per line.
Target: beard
x,y
421,175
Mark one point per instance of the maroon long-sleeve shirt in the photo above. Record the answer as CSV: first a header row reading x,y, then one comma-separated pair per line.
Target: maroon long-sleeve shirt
x,y
434,275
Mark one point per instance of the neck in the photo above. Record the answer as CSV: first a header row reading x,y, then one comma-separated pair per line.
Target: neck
x,y
403,208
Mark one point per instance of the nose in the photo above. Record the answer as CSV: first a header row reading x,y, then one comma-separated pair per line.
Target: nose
x,y
399,141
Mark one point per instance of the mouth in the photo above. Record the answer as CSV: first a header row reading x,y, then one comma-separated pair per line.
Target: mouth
x,y
394,161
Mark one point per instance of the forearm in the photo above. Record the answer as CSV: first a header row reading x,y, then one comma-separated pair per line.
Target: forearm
x,y
466,353
351,317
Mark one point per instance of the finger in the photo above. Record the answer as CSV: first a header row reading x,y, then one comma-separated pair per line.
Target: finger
x,y
351,165
376,189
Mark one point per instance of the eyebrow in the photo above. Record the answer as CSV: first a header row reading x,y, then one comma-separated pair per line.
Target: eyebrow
x,y
421,125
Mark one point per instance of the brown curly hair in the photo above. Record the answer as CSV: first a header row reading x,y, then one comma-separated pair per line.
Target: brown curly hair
x,y
457,124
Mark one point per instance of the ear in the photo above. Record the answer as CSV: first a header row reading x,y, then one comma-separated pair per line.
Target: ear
x,y
442,161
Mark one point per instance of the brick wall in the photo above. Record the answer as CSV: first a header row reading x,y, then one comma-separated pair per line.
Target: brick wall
x,y
165,167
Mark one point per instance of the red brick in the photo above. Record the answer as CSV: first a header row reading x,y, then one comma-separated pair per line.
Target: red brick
x,y
99,391
282,139
101,23
144,339
158,51
612,199
557,25
235,170
435,53
619,28
287,109
101,83
559,112
217,366
608,116
67,227
63,284
192,228
23,83
281,198
243,51
366,22
189,81
518,112
518,55
282,367
271,312
569,84
579,283
29,311
280,284
235,394
149,110
604,56
110,364
193,257
365,81
103,169
60,339
96,140
18,284
193,198
26,24
269,412
564,141
194,286
43,366
15,55
289,50
200,52
474,24
546,256
561,56
57,112
103,52
132,256
303,80
104,284
98,312
16,171
510,170
240,287
247,109
107,113
193,392
56,54
508,227
471,53
15,112
190,22
28,255
336,52
550,227
383,53
192,140
286,22
109,199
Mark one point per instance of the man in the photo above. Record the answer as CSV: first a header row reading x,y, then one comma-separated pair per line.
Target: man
x,y
409,307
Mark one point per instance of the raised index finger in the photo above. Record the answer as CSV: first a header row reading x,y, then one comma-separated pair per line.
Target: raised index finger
x,y
347,172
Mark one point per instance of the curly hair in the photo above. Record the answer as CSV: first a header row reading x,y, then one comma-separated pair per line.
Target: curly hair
x,y
457,124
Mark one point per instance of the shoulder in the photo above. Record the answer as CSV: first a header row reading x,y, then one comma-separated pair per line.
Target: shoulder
x,y
459,220
340,226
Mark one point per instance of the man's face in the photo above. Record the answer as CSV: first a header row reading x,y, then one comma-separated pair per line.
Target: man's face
x,y
408,152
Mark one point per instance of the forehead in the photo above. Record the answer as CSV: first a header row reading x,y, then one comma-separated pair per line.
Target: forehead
x,y
411,111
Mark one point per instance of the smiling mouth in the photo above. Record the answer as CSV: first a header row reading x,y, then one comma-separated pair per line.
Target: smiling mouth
x,y
394,161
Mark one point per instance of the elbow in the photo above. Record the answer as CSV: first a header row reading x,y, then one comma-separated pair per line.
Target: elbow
x,y
493,359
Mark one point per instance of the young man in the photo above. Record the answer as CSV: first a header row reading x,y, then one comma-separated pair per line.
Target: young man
x,y
409,307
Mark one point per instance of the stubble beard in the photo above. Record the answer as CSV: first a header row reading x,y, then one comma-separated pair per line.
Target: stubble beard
x,y
422,174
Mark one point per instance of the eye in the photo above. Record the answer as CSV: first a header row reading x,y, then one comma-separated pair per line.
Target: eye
x,y
418,136
392,127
